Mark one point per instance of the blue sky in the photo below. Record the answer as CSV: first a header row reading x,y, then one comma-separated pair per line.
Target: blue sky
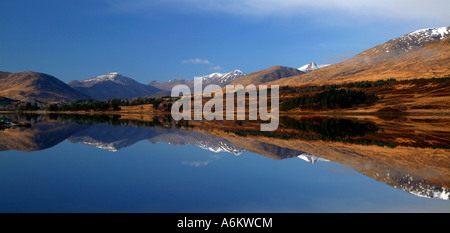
x,y
162,40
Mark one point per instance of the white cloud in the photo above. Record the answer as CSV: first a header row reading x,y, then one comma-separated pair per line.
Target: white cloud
x,y
196,61
430,10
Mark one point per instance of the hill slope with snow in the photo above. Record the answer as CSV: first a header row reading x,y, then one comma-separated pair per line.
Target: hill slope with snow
x,y
112,85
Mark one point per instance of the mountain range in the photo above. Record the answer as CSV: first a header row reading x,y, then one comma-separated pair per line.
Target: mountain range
x,y
220,79
34,86
423,53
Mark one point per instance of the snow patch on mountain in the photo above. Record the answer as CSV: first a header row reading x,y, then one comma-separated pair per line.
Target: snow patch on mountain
x,y
311,66
223,78
109,77
200,139
101,145
421,37
221,146
438,33
220,79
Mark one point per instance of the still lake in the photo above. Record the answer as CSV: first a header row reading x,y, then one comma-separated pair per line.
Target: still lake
x,y
63,165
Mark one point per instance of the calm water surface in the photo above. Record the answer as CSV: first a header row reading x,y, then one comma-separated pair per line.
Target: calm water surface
x,y
64,166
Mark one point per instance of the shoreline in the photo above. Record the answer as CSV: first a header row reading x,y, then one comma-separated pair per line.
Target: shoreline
x,y
296,113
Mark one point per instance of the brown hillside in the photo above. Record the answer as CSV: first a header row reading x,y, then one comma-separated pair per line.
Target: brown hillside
x,y
424,96
267,75
36,86
383,62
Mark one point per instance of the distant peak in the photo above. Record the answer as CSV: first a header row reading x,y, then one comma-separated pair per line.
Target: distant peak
x,y
311,66
109,77
237,71
210,76
440,32
217,75
412,40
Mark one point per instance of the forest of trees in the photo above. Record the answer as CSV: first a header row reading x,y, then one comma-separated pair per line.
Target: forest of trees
x,y
86,105
330,99
315,88
107,105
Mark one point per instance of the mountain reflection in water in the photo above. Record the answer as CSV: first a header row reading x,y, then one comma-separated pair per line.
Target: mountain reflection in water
x,y
404,158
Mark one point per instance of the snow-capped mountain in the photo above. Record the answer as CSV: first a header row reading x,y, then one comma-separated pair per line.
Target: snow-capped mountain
x,y
220,79
423,36
110,77
311,66
231,76
410,41
112,85
211,76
